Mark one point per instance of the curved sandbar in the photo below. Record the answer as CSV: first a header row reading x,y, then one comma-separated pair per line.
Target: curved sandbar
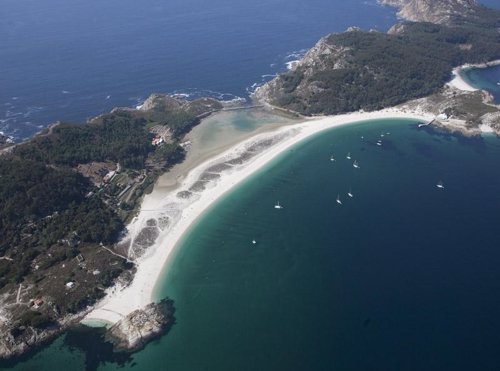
x,y
204,185
460,83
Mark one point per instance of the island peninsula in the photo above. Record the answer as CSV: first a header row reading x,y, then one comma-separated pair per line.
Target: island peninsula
x,y
66,253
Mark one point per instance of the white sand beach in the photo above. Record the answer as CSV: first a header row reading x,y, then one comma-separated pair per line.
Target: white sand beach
x,y
459,82
174,214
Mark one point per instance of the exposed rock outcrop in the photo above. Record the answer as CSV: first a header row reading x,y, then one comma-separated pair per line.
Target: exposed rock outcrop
x,y
141,326
19,340
357,70
324,56
440,12
164,103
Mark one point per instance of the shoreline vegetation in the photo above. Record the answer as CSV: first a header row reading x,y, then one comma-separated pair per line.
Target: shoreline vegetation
x,y
66,197
68,255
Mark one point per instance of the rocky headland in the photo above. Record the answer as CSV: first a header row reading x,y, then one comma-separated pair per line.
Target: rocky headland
x,y
141,326
358,70
439,12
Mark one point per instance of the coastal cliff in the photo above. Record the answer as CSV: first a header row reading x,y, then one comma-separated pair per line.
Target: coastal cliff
x,y
324,56
439,12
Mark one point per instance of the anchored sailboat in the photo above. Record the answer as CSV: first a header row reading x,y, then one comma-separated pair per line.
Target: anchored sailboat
x,y
355,164
338,200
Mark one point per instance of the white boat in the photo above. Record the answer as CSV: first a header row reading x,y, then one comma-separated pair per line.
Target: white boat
x,y
278,206
440,185
348,156
254,242
379,143
332,159
338,200
350,194
355,164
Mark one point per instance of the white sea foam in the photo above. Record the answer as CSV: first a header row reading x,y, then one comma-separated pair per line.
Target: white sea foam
x,y
298,54
290,65
31,110
180,95
195,93
293,58
11,114
9,139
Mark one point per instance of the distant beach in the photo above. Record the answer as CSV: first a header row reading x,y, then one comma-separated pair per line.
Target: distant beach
x,y
176,211
459,82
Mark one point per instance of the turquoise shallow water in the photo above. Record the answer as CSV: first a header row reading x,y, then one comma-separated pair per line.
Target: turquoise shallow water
x,y
403,276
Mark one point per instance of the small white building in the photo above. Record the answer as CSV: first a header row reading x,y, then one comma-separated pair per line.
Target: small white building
x,y
442,116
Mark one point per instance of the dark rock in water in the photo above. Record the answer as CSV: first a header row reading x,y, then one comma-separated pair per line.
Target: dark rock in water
x,y
91,341
141,326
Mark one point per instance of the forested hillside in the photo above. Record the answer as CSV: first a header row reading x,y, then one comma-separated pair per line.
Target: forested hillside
x,y
66,194
371,70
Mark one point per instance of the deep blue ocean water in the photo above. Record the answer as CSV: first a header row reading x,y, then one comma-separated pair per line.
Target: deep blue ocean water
x,y
72,60
403,276
495,4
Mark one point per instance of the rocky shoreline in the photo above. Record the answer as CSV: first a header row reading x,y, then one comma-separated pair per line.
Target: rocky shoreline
x,y
136,329
141,326
315,78
438,12
129,335
36,310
